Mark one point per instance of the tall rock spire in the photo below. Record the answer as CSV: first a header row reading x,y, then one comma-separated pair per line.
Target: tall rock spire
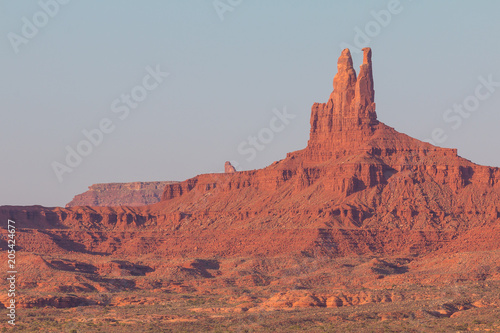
x,y
349,117
344,84
364,98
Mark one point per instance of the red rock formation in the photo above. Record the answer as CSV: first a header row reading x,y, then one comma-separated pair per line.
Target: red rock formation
x,y
120,194
348,118
358,181
303,231
229,168
355,172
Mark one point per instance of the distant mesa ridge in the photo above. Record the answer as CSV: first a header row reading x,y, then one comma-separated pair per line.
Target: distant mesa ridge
x,y
126,194
117,194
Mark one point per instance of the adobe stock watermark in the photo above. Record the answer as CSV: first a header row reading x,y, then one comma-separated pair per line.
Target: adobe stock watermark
x,y
31,27
373,28
223,6
11,271
455,115
258,142
121,108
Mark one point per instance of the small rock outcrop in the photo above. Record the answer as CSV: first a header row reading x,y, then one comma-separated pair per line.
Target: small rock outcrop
x,y
229,168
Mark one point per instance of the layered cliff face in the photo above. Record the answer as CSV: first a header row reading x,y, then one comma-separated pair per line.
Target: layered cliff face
x,y
120,194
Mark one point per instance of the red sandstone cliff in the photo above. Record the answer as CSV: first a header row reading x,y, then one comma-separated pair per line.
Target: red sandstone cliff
x,y
120,194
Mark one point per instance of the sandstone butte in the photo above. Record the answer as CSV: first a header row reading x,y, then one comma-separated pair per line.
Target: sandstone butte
x,y
359,188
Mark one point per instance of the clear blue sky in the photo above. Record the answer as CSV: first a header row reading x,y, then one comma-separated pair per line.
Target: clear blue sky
x,y
225,78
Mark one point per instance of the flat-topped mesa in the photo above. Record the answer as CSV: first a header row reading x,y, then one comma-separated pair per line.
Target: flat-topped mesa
x,y
347,119
121,194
